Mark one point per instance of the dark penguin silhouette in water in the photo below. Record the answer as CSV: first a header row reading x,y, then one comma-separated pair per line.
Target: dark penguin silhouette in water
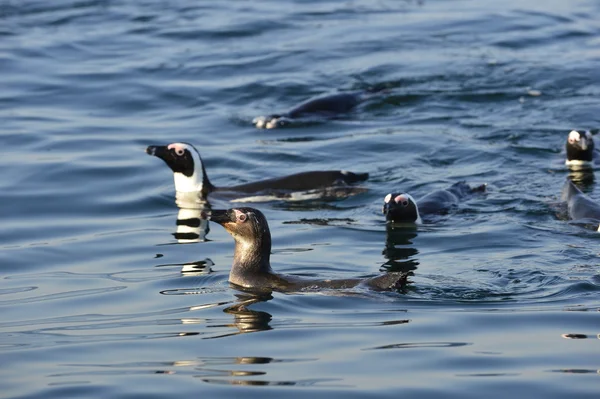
x,y
190,176
402,208
322,107
251,267
580,206
580,149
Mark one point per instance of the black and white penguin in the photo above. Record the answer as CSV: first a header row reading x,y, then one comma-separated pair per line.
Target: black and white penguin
x,y
190,175
580,149
402,208
251,267
580,206
325,106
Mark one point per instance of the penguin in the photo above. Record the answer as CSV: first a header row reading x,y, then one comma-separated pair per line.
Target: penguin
x,y
190,176
579,205
251,269
325,106
402,208
580,149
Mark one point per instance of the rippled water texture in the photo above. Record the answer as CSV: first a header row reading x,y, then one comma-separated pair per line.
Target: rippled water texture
x,y
102,296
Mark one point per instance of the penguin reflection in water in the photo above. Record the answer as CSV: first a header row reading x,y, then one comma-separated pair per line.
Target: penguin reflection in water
x,y
399,249
402,208
191,227
190,177
251,267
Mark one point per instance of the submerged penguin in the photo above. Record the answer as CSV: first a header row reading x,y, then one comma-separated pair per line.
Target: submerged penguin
x,y
251,267
580,149
402,208
579,205
325,106
190,175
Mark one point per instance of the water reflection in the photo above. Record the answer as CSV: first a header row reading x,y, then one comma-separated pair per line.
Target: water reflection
x,y
574,336
191,227
246,320
215,370
305,382
197,268
399,249
413,345
582,176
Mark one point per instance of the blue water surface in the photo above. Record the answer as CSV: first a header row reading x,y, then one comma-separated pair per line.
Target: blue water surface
x,y
504,299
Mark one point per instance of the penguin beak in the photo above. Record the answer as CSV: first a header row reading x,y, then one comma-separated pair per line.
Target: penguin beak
x,y
386,204
222,216
159,151
387,207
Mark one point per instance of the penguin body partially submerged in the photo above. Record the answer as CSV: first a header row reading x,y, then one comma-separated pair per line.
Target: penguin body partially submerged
x,y
325,106
251,267
402,208
190,176
580,206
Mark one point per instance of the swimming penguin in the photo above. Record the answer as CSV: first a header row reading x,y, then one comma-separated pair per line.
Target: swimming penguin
x,y
580,206
402,208
325,106
580,149
251,267
190,175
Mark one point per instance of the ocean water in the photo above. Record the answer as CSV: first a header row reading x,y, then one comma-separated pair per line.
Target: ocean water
x,y
102,296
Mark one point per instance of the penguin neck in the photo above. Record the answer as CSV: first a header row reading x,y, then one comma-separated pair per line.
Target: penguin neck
x,y
418,219
251,260
198,182
578,154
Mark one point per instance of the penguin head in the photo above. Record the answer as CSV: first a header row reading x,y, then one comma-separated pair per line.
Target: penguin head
x,y
401,208
247,226
270,121
186,164
580,147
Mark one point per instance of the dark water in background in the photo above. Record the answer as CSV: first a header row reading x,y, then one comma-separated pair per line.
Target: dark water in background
x,y
505,297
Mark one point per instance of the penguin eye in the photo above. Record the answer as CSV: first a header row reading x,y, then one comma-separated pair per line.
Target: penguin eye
x,y
405,203
179,151
242,217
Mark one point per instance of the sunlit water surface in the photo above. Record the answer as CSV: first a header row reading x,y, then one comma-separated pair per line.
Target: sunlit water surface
x,y
505,294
